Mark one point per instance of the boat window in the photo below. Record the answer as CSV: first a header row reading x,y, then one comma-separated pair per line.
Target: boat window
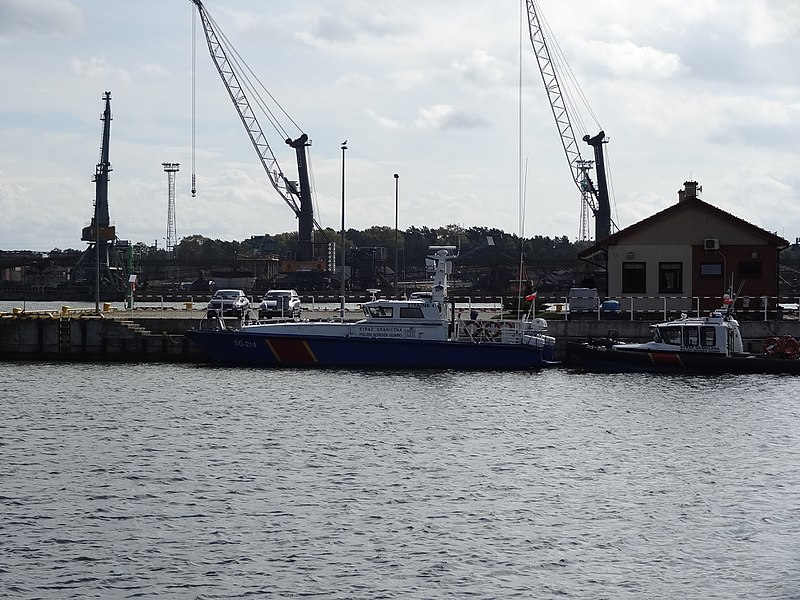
x,y
655,333
671,335
410,312
691,336
708,336
381,312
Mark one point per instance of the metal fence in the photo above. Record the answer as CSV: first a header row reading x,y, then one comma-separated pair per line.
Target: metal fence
x,y
761,308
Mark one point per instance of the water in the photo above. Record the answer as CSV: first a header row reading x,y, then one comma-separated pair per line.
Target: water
x,y
178,481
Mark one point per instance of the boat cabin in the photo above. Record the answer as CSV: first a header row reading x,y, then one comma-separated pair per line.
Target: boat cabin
x,y
402,310
714,334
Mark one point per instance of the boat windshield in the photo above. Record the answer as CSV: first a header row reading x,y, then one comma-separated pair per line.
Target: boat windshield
x,y
671,335
381,312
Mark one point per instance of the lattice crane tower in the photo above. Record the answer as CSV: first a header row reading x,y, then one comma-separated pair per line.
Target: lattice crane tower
x,y
172,236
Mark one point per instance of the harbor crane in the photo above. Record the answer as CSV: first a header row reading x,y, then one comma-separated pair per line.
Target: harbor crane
x,y
100,266
296,194
595,198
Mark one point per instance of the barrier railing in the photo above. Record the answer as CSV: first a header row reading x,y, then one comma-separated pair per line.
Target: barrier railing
x,y
761,308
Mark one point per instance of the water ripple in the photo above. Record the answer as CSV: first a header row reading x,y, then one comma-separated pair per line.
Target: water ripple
x,y
189,482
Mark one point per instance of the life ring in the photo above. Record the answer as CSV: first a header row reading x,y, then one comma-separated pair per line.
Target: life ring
x,y
769,346
492,330
473,328
782,347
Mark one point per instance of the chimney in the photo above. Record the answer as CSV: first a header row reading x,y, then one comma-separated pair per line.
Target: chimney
x,y
690,190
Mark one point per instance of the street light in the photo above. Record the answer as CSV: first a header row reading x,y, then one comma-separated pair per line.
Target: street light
x,y
344,147
396,246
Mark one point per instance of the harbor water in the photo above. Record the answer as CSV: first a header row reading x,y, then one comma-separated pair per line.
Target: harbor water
x,y
186,481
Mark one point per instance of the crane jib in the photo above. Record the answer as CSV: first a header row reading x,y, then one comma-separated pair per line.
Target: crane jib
x,y
232,80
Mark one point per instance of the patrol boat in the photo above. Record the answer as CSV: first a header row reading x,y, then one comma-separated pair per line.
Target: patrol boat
x,y
700,344
422,332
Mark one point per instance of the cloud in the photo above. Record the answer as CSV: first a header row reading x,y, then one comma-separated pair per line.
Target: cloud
x,y
629,61
485,70
97,68
384,122
20,18
153,69
770,22
438,117
349,24
444,116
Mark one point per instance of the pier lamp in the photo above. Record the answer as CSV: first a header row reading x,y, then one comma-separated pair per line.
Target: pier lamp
x,y
344,148
396,246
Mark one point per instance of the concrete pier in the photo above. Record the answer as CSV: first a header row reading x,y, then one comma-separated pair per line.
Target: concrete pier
x,y
101,338
158,335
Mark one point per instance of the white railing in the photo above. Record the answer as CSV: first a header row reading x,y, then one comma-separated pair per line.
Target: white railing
x,y
761,308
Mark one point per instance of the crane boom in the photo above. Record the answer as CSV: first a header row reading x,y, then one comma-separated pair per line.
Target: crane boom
x,y
299,200
597,201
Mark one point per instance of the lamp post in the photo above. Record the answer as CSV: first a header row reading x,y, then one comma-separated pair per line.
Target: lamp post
x,y
396,246
344,148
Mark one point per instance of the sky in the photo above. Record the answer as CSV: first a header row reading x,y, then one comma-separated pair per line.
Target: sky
x,y
446,94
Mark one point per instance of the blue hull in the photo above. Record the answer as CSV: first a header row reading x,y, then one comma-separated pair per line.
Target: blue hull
x,y
270,350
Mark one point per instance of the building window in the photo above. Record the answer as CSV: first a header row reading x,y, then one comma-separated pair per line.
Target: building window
x,y
634,278
670,278
750,269
710,269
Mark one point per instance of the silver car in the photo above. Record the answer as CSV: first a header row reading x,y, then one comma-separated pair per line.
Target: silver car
x,y
279,303
228,303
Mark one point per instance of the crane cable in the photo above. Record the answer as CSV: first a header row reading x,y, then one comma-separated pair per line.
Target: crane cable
x,y
194,99
563,67
250,84
247,79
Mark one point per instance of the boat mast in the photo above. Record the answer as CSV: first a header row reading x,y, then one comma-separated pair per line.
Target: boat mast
x,y
441,262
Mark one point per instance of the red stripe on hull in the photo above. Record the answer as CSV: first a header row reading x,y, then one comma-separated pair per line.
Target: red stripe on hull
x,y
661,359
292,351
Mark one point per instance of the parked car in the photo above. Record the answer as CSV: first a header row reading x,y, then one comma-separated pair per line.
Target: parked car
x,y
583,300
228,303
279,303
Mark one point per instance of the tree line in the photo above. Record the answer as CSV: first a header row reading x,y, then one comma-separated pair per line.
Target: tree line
x,y
477,246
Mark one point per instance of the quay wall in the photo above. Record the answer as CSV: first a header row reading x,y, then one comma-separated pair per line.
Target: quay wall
x,y
94,339
158,337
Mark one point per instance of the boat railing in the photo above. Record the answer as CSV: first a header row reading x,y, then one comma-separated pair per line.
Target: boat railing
x,y
492,330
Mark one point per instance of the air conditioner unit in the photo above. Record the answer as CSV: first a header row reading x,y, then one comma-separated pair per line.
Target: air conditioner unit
x,y
711,244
